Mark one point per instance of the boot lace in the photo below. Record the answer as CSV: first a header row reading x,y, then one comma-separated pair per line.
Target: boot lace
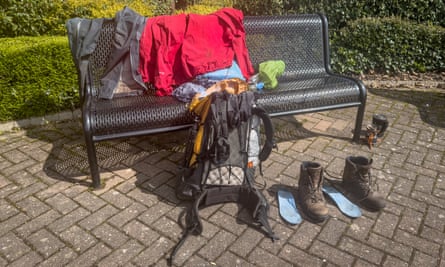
x,y
315,192
367,183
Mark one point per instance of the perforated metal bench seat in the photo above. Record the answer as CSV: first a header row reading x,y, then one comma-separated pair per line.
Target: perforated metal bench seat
x,y
313,94
307,85
137,115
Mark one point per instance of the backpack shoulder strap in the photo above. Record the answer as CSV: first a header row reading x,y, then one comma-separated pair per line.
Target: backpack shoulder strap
x,y
269,131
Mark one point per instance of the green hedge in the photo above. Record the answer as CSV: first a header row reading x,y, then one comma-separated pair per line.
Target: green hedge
x,y
48,17
340,12
388,45
37,77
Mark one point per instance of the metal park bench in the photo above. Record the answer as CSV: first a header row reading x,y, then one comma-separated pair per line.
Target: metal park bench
x,y
307,85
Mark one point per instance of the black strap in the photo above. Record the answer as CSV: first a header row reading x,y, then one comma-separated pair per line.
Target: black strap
x,y
220,150
269,131
193,226
250,198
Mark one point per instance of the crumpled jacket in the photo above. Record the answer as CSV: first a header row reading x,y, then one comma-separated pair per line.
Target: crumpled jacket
x,y
175,49
82,37
124,60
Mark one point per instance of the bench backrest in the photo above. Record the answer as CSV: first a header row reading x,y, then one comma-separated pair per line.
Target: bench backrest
x,y
299,40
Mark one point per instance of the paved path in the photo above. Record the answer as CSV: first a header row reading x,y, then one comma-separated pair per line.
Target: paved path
x,y
49,217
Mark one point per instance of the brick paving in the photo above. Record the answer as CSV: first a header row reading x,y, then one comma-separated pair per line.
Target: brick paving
x,y
49,216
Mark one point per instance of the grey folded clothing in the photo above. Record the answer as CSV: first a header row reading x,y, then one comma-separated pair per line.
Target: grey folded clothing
x,y
186,91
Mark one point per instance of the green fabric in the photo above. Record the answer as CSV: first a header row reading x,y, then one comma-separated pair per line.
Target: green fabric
x,y
269,71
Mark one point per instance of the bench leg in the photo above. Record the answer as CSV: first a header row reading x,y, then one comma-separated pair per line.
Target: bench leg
x,y
92,160
358,123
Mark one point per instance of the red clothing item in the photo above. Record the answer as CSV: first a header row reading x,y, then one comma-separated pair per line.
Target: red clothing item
x,y
174,49
159,46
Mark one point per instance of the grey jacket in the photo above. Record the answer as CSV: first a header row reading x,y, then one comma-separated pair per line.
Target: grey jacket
x,y
124,59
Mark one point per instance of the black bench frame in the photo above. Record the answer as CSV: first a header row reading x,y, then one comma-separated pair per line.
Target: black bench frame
x,y
308,84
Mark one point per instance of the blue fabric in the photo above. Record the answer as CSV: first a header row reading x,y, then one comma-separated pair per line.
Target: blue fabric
x,y
233,71
344,205
288,209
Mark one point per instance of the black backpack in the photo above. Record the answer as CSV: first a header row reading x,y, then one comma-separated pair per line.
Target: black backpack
x,y
221,156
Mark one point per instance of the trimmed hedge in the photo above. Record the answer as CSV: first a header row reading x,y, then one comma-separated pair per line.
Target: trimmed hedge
x,y
48,17
388,45
37,77
340,12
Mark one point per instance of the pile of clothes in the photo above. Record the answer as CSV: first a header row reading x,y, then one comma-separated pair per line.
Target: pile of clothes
x,y
177,55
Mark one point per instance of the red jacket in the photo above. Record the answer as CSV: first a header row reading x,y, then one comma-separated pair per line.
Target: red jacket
x,y
174,49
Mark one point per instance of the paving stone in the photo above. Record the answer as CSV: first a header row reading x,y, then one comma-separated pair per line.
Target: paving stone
x,y
410,221
61,203
60,258
260,257
227,222
305,235
74,190
217,245
332,231
78,239
111,236
229,259
246,242
421,244
403,186
360,228
30,259
33,225
154,253
25,192
7,210
421,259
52,190
15,156
90,201
386,224
15,168
12,247
142,197
45,242
121,218
190,248
155,212
123,255
117,199
168,228
299,257
428,198
435,218
91,256
331,254
361,250
68,220
392,261
98,217
408,202
141,232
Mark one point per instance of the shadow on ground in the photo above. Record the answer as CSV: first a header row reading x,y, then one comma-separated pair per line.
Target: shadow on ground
x,y
430,104
67,160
